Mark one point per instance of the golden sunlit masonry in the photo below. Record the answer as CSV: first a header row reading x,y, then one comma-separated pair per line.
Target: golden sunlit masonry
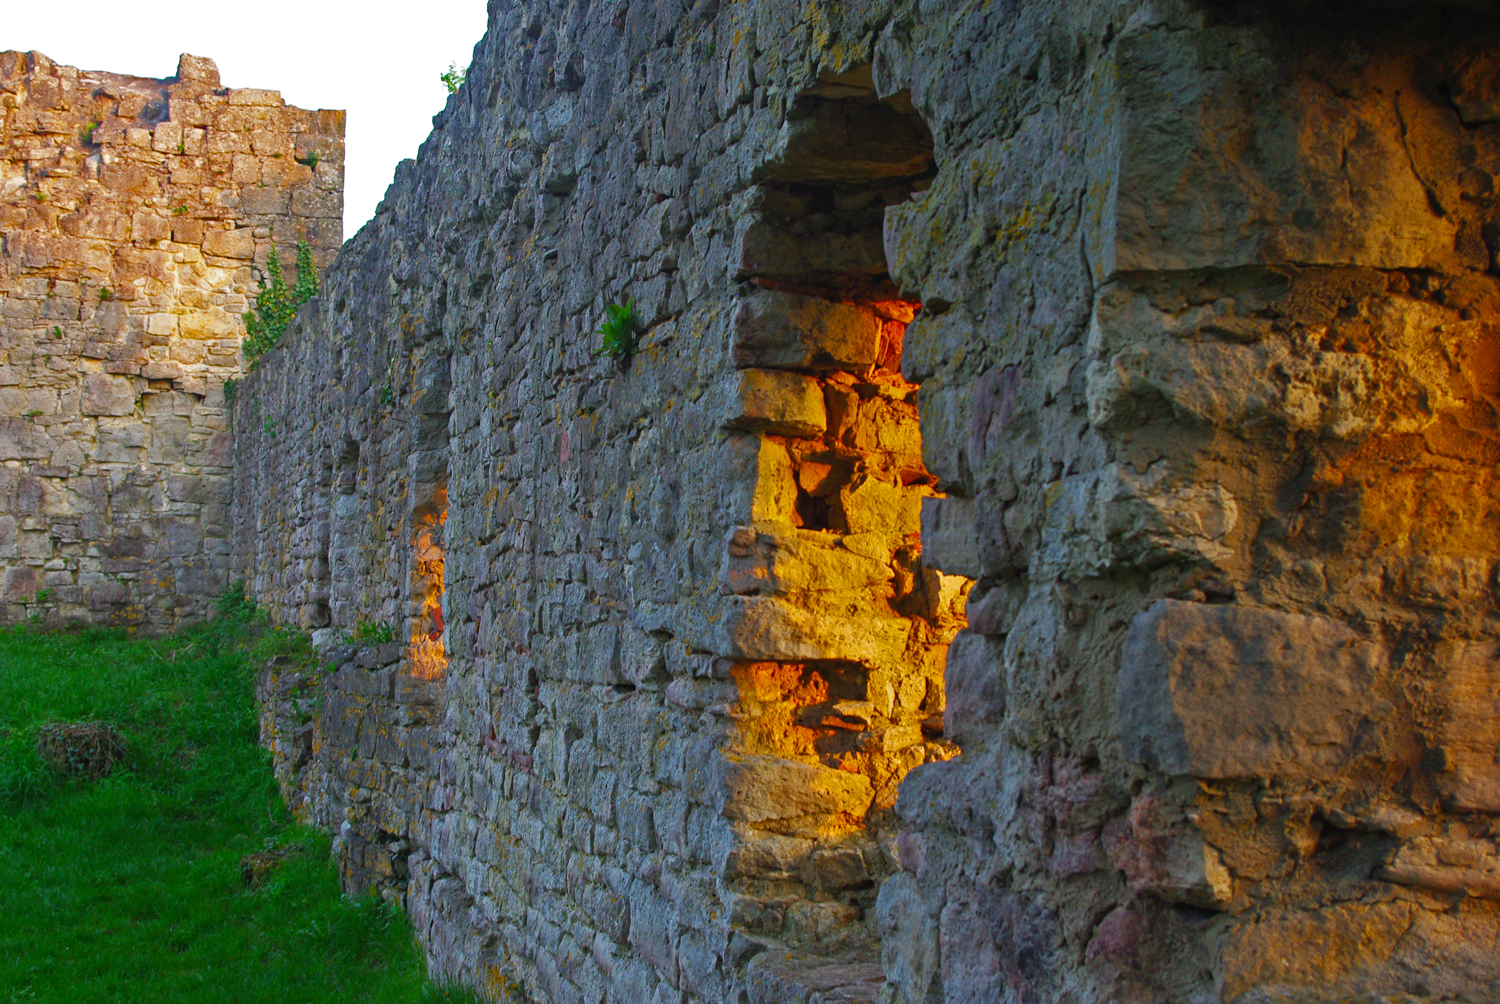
x,y
1043,548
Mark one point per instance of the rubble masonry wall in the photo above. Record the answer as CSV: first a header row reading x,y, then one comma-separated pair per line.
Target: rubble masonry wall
x,y
1162,670
133,216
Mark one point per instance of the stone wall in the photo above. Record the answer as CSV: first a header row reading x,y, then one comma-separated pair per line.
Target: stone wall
x,y
1150,657
134,215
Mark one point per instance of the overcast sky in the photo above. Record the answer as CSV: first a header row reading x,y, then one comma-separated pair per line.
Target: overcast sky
x,y
381,67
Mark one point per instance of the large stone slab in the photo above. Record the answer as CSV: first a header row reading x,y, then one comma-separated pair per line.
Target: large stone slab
x,y
767,790
787,331
1469,738
1219,691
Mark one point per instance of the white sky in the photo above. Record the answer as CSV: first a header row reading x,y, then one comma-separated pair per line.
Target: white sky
x,y
379,62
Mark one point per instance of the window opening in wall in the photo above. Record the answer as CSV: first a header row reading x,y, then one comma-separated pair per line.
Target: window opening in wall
x,y
818,337
427,656
347,545
320,577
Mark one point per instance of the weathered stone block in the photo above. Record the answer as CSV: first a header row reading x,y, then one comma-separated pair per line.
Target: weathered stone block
x,y
796,563
254,97
787,331
949,541
230,244
121,442
108,395
149,227
1341,950
1448,864
1017,937
1469,738
784,404
20,582
974,688
208,324
876,506
777,794
1179,199
908,937
1219,691
198,69
769,628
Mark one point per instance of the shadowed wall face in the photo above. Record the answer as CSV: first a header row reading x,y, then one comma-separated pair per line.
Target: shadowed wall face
x,y
136,215
1041,551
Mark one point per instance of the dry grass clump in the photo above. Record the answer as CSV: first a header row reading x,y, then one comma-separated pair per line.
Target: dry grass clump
x,y
256,868
80,749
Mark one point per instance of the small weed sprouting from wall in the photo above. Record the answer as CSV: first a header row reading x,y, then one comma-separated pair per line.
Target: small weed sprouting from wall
x,y
620,334
373,632
453,79
276,303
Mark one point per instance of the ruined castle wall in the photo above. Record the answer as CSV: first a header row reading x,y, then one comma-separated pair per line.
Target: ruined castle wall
x,y
1149,657
1227,698
134,214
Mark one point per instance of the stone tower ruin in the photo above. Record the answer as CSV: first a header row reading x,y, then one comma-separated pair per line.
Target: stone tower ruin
x,y
1043,549
134,215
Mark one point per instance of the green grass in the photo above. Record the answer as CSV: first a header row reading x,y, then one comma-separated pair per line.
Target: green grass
x,y
129,889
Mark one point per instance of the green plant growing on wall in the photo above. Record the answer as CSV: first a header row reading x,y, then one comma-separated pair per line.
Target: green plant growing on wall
x,y
57,331
373,632
453,79
276,303
180,210
620,334
87,135
104,293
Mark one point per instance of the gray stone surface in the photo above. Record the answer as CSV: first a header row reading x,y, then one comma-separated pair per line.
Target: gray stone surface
x,y
1196,419
1220,691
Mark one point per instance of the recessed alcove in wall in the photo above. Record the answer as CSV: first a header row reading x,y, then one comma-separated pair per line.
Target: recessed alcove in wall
x,y
427,486
427,654
320,571
346,537
834,543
